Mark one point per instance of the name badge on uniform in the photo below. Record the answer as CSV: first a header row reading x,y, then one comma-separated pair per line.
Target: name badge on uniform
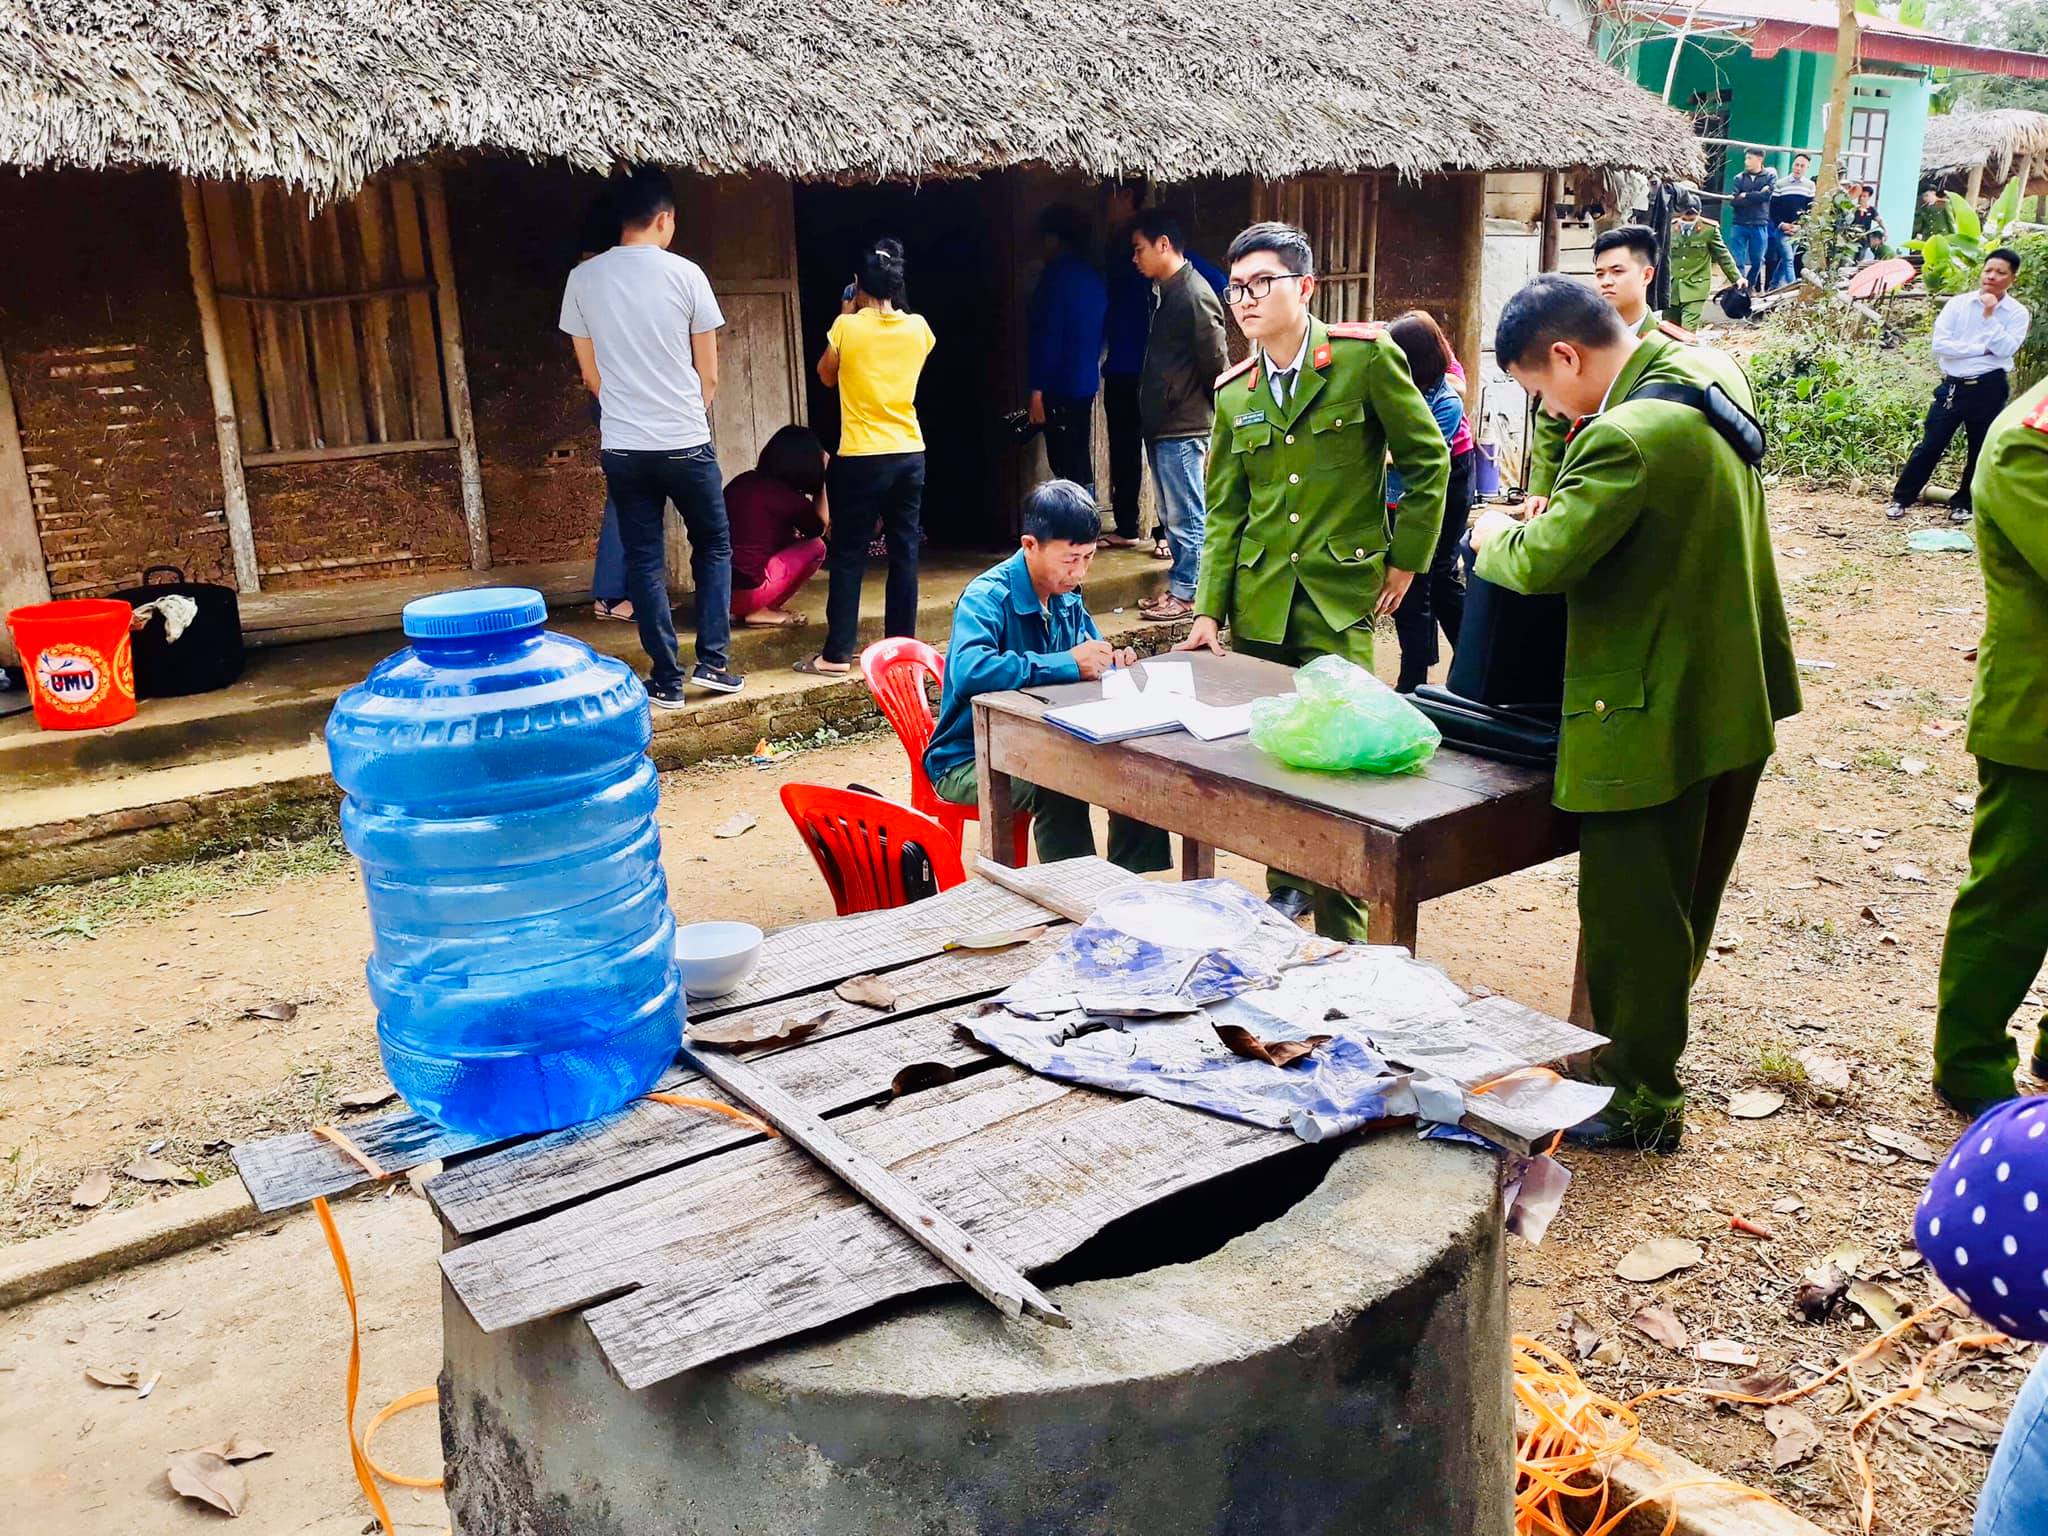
x,y
1249,419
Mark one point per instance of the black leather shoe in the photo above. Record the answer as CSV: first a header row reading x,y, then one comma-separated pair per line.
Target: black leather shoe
x,y
1600,1131
1292,903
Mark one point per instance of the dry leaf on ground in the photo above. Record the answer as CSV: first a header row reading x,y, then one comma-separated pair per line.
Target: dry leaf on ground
x,y
735,824
129,1376
1001,939
1278,1053
209,1478
1905,1143
154,1170
920,1075
1585,1337
1794,1436
1724,1352
868,991
1877,1303
1662,1324
280,1011
1941,730
1755,1103
239,1447
759,1029
1826,1073
1909,872
92,1190
1658,1257
1912,767
366,1098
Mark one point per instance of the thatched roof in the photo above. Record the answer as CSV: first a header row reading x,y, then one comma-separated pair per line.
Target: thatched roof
x,y
1961,141
326,92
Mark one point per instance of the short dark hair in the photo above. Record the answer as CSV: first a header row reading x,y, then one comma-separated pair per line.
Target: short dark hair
x,y
1060,509
598,231
1159,224
881,270
1283,240
796,457
1802,155
1628,237
1064,223
643,197
1550,309
2006,254
1421,341
1752,150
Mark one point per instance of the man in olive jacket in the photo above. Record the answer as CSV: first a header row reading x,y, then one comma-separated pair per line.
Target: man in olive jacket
x,y
1998,929
1678,663
1296,558
1695,250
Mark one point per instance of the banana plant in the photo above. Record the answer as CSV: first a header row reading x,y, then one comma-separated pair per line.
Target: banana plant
x,y
1952,263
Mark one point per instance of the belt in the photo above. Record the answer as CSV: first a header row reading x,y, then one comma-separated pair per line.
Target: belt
x,y
1996,373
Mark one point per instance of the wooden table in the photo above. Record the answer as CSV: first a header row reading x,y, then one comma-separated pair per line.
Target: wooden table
x,y
1394,841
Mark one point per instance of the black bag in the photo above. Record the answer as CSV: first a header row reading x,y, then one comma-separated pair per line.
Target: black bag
x,y
1502,734
1505,690
208,655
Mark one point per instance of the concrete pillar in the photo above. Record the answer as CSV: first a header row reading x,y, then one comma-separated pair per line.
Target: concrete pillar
x,y
1341,1369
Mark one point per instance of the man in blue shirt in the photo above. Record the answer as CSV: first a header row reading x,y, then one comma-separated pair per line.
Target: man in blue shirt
x,y
1069,309
1024,623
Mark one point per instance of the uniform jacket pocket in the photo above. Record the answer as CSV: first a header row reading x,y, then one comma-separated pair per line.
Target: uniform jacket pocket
x,y
1249,553
1339,428
1602,693
1245,439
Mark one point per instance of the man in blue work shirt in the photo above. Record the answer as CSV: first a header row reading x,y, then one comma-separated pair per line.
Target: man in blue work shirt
x,y
1069,309
1021,624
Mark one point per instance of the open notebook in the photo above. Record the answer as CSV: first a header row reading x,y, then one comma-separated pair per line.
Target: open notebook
x,y
1166,702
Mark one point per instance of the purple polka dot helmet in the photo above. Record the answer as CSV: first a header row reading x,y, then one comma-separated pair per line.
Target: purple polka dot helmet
x,y
1983,1221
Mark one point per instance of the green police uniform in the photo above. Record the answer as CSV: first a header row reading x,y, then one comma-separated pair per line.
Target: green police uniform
x,y
1998,928
1546,452
1678,663
1691,259
1297,542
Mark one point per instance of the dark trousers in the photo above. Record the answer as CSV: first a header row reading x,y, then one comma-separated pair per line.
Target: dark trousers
x,y
1060,824
1971,404
862,490
1997,936
1070,439
1650,888
641,483
1437,596
1126,450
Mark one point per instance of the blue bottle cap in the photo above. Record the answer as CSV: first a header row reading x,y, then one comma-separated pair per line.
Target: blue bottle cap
x,y
473,612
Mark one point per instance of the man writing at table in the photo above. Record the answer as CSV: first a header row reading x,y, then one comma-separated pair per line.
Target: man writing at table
x,y
1297,557
1020,625
1678,661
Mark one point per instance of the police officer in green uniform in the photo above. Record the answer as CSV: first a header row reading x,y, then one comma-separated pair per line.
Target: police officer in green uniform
x,y
1624,263
1998,928
1678,663
1297,558
1696,250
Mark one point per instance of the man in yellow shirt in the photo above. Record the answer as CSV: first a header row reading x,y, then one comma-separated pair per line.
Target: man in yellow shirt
x,y
874,354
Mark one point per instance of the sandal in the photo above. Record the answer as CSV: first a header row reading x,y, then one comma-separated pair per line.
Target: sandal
x,y
814,666
1166,610
1161,550
1117,541
786,621
622,611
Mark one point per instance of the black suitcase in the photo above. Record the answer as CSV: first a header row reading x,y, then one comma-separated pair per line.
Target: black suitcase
x,y
208,655
1505,692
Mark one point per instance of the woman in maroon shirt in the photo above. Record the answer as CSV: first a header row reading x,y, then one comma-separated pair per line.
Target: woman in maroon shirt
x,y
779,518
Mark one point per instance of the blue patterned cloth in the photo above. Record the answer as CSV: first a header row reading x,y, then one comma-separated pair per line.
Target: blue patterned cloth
x,y
1981,1223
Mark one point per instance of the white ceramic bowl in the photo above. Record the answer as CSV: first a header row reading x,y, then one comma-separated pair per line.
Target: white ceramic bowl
x,y
716,957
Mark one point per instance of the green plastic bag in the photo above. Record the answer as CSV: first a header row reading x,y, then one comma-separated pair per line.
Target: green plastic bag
x,y
1341,719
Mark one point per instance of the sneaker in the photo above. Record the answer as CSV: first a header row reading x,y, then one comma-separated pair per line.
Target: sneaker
x,y
667,696
716,680
1959,514
1897,510
1292,903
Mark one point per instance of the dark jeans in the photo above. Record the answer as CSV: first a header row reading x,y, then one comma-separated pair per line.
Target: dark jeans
x,y
641,482
1437,595
862,489
1971,404
1126,451
1069,439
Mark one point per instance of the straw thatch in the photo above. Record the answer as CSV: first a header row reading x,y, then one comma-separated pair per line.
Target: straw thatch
x,y
1959,142
323,93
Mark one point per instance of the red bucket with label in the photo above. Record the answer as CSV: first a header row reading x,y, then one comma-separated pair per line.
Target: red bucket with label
x,y
81,672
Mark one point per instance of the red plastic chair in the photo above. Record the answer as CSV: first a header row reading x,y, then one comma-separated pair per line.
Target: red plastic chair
x,y
895,671
858,838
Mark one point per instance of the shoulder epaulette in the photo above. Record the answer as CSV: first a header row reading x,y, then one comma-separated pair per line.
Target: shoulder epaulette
x,y
1676,332
1358,330
1235,369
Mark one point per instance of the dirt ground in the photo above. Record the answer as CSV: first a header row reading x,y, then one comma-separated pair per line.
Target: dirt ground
x,y
162,1030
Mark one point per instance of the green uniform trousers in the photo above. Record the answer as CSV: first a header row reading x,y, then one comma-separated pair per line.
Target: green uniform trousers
x,y
1685,312
1309,635
1997,937
1060,824
1650,887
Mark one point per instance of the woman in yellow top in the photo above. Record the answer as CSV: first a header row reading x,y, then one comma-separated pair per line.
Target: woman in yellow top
x,y
873,356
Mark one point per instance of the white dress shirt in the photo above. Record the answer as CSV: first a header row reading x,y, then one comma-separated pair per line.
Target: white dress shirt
x,y
1968,346
1292,372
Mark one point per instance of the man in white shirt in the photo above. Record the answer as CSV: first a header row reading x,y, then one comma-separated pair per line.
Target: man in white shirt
x,y
645,327
1974,343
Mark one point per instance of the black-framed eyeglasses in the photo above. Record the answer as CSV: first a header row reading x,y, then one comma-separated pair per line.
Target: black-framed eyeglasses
x,y
1256,287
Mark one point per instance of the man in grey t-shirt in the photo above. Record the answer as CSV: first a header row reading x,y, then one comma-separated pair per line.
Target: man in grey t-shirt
x,y
644,324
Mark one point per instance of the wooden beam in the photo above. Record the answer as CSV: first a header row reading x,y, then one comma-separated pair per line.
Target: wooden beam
x,y
234,490
1974,186
1470,263
455,367
24,578
353,451
1552,236
1372,250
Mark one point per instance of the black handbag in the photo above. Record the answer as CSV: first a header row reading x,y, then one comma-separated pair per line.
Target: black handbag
x,y
1505,692
208,655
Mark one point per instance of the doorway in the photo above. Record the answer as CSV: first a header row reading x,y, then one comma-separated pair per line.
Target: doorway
x,y
957,272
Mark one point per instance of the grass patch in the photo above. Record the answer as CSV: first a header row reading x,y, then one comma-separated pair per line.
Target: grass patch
x,y
1837,580
1779,1066
1882,759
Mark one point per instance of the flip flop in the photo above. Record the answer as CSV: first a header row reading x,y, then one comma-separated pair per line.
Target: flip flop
x,y
1161,550
1118,541
788,621
611,611
810,668
1166,610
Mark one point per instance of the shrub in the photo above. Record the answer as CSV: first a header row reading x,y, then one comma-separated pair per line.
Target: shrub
x,y
1842,413
2031,289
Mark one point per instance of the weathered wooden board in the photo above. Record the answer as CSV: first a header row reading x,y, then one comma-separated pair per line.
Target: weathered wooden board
x,y
283,1171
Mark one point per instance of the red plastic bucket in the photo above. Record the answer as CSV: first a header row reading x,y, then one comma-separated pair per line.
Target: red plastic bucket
x,y
81,672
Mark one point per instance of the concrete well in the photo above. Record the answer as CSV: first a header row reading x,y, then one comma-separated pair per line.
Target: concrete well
x,y
1340,1370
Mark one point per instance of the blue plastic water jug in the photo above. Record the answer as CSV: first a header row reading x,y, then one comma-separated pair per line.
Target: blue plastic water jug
x,y
501,802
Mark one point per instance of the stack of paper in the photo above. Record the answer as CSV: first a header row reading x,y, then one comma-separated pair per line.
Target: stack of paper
x,y
1166,702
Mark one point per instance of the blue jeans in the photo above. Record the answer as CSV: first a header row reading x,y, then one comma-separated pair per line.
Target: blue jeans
x,y
1750,244
1781,257
642,482
2015,1497
1179,465
608,570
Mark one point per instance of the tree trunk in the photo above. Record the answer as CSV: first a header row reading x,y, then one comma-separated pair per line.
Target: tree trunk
x,y
1838,104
